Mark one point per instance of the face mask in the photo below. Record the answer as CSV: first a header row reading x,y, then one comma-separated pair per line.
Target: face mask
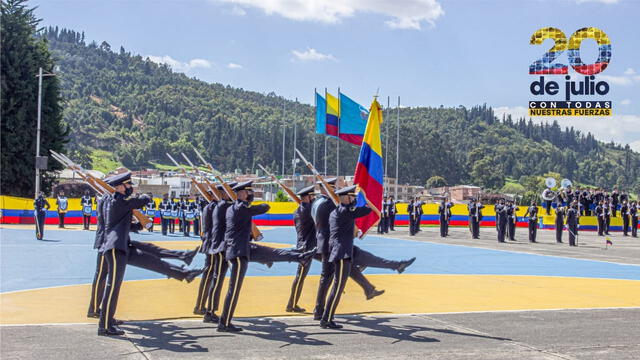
x,y
250,198
128,191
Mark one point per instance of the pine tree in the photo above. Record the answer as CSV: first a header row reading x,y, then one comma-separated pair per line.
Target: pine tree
x,y
21,56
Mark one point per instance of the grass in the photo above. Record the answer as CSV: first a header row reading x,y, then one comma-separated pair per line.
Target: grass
x,y
103,161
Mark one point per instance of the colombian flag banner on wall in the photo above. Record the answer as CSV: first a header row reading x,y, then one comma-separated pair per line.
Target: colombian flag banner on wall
x,y
333,114
369,170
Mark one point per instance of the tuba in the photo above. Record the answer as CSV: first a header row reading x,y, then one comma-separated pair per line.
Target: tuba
x,y
548,195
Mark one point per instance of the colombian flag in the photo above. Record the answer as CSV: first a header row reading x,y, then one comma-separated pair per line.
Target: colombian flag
x,y
369,170
333,111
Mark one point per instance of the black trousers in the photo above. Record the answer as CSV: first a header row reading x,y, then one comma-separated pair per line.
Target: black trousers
x,y
61,216
413,227
573,232
625,224
601,225
164,223
634,226
392,222
238,270
97,287
475,227
196,227
158,251
152,222
502,230
116,265
220,267
607,223
443,227
614,210
186,227
547,205
205,283
172,226
86,221
512,228
39,220
266,254
342,269
418,220
362,257
144,260
298,284
559,228
533,230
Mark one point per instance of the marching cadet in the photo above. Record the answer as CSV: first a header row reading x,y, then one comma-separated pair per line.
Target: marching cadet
x,y
607,216
87,209
200,203
118,250
342,224
501,219
445,214
207,275
150,210
475,215
624,212
40,205
63,204
560,214
599,212
615,200
392,213
633,212
572,223
237,239
165,213
306,241
512,218
532,212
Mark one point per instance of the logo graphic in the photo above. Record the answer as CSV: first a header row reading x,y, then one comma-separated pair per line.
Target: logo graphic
x,y
586,88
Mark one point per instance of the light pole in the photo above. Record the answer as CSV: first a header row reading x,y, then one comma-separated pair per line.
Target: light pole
x,y
40,163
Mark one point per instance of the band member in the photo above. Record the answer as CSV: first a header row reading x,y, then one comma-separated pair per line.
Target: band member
x,y
501,219
174,214
607,215
633,212
342,224
190,209
150,210
413,211
306,240
615,200
532,212
560,214
418,204
572,223
392,213
40,206
200,203
182,211
475,216
599,212
165,213
87,209
444,210
382,224
547,206
624,212
512,218
63,204
237,238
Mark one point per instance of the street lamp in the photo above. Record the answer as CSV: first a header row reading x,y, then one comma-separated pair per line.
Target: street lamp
x,y
41,162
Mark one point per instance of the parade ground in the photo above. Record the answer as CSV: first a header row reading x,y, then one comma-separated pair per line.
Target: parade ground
x,y
461,299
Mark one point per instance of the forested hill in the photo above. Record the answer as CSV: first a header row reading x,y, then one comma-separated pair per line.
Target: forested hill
x,y
135,110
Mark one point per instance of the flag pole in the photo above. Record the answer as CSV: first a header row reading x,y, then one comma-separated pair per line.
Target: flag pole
x,y
338,143
284,124
386,142
395,196
293,161
315,134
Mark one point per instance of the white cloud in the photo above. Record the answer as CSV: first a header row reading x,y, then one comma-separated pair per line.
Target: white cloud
x,y
405,14
617,80
625,102
179,66
238,11
234,66
629,71
619,128
312,55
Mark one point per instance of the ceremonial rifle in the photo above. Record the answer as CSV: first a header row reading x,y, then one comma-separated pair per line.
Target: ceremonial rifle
x,y
198,185
255,232
324,183
212,187
99,184
286,189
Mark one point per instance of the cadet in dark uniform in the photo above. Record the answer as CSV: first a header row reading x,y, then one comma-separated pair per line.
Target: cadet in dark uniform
x,y
63,206
207,275
150,210
418,204
615,200
633,212
501,220
118,250
532,212
607,216
599,212
237,238
392,213
624,212
87,209
445,214
165,213
40,206
175,214
306,241
342,224
512,219
411,209
572,223
560,214
475,215
384,217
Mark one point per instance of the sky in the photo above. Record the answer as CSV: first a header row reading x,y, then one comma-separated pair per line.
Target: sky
x,y
428,52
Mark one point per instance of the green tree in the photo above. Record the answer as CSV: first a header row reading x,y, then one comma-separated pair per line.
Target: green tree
x,y
21,56
484,174
281,196
436,181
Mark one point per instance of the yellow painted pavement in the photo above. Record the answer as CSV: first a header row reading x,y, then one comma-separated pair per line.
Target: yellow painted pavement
x,y
268,295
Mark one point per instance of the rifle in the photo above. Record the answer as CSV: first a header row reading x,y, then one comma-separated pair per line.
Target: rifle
x,y
286,189
99,185
198,185
255,232
213,188
324,183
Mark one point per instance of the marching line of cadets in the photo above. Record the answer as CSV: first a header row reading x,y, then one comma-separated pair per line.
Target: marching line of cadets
x,y
324,233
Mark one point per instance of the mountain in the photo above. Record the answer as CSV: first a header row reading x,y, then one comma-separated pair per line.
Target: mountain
x,y
134,110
